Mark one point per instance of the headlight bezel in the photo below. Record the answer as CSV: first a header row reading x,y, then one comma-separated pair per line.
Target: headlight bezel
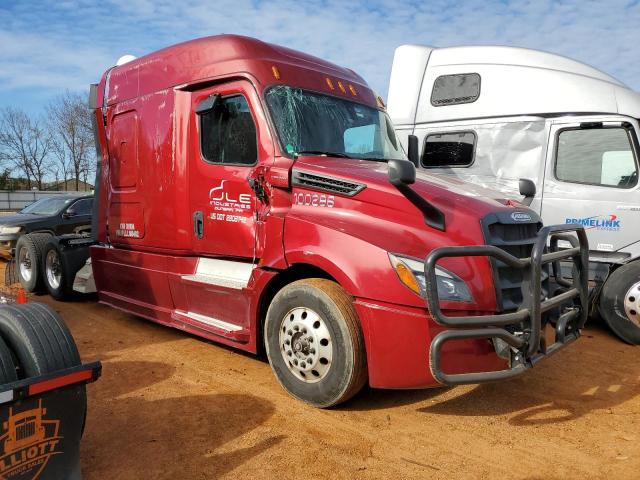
x,y
410,272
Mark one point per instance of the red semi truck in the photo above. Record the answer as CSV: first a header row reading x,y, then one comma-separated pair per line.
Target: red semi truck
x,y
258,197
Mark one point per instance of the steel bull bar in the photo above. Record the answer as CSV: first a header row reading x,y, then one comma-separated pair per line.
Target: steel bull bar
x,y
527,344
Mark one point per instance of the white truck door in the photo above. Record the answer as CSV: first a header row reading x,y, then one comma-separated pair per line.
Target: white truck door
x,y
592,180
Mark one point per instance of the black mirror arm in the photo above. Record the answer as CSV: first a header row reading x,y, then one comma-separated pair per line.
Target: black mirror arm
x,y
433,216
402,174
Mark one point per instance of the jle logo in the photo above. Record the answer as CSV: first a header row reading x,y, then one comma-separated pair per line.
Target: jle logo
x,y
28,442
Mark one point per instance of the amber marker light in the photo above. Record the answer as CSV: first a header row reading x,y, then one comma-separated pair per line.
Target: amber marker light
x,y
276,72
353,90
341,87
330,84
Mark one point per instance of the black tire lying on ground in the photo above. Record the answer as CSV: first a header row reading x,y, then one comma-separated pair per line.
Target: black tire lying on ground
x,y
8,372
39,339
29,250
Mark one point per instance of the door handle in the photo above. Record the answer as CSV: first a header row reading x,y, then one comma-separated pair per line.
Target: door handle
x,y
198,225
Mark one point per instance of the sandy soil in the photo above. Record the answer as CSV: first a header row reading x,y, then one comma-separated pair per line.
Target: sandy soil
x,y
172,406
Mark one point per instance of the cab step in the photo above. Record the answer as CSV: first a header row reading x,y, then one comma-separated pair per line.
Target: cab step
x,y
213,325
221,273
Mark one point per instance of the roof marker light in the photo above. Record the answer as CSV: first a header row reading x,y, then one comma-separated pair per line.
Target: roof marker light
x,y
353,90
380,102
276,72
341,87
330,83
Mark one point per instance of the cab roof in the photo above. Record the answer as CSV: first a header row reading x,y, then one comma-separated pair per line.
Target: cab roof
x,y
206,59
513,81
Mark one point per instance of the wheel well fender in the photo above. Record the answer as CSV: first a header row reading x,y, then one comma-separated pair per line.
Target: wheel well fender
x,y
297,271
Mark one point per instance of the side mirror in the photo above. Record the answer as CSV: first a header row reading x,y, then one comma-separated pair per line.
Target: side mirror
x,y
401,172
527,190
412,150
208,104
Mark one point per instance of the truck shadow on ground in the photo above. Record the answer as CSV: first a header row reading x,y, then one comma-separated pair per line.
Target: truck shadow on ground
x,y
562,389
133,434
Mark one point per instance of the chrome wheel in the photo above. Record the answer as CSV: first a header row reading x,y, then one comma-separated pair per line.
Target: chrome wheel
x,y
305,344
632,303
52,269
25,266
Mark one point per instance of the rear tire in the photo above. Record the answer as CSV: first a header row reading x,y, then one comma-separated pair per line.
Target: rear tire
x,y
39,339
619,303
314,342
29,259
57,280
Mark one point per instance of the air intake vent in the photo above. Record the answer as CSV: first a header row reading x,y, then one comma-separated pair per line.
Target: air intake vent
x,y
325,183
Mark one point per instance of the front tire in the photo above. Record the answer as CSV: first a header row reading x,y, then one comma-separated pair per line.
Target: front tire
x,y
620,302
314,342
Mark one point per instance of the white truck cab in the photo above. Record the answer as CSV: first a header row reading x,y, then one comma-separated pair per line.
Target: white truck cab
x,y
543,129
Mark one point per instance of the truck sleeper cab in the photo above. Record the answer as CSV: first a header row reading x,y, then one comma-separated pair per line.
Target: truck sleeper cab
x,y
497,115
257,196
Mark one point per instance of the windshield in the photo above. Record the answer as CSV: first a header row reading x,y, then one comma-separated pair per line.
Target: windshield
x,y
313,123
47,206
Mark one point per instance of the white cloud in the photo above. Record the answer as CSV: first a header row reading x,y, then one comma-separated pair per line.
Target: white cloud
x,y
70,44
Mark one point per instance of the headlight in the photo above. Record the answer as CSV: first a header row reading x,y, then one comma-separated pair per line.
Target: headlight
x,y
411,273
10,229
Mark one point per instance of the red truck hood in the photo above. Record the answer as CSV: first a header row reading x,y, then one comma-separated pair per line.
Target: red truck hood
x,y
443,191
381,217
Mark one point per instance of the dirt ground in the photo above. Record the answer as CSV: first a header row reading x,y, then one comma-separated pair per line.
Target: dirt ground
x,y
172,406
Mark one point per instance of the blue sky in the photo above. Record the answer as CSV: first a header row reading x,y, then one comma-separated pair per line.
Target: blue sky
x,y
46,47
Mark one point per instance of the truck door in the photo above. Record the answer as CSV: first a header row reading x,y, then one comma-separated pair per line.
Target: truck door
x,y
225,136
592,180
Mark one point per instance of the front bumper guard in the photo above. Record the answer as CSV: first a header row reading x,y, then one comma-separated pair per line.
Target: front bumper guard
x,y
528,345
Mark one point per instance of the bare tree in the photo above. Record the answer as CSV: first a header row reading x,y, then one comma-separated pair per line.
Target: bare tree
x,y
24,145
70,123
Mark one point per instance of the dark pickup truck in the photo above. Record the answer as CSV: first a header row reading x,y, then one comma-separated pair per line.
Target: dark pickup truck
x,y
58,215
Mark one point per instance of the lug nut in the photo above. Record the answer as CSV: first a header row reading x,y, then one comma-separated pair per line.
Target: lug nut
x,y
303,364
296,328
310,339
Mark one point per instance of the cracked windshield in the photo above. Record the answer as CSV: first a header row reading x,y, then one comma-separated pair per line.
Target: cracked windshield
x,y
309,123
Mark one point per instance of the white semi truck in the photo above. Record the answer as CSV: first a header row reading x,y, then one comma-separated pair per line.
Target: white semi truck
x,y
547,131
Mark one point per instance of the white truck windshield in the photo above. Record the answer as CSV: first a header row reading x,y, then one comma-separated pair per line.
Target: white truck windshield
x,y
312,123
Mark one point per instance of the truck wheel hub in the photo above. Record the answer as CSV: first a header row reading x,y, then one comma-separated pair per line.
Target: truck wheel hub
x,y
632,303
52,269
25,264
306,345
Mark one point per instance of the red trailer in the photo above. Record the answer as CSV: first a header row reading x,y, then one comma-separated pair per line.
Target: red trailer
x,y
258,197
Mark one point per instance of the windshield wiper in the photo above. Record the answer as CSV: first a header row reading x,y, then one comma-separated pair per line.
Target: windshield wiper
x,y
321,152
